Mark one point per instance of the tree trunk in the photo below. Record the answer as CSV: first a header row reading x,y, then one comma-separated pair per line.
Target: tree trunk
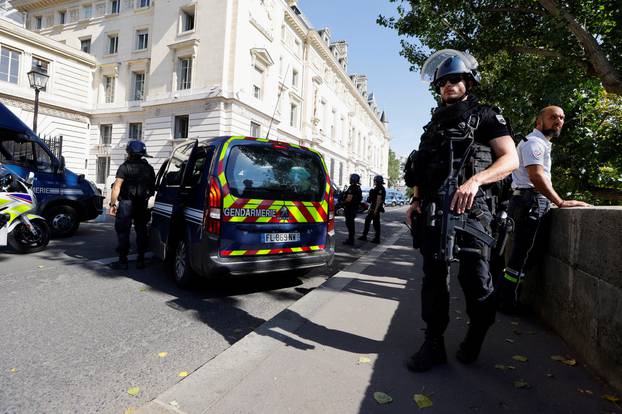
x,y
609,76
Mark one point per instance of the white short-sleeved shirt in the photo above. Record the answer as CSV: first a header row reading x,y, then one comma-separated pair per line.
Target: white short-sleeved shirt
x,y
536,150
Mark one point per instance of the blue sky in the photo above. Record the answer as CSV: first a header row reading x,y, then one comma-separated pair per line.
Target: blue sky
x,y
374,51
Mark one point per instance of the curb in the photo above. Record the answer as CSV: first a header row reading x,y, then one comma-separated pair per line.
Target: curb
x,y
198,392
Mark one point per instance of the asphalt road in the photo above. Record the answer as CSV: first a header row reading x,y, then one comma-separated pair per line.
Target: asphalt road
x,y
76,335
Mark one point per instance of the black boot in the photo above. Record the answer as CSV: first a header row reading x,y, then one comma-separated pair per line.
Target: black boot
x,y
431,353
121,264
472,344
140,261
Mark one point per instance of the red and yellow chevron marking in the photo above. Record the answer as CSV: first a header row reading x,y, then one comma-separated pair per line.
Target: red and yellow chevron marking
x,y
299,211
230,253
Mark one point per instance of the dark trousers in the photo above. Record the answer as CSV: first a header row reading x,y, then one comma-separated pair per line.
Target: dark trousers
x,y
350,216
131,211
527,210
376,219
473,275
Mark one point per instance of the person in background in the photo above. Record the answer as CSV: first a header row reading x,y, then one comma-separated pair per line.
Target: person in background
x,y
376,199
352,199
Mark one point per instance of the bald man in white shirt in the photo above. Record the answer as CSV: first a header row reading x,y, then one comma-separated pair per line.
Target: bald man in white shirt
x,y
532,195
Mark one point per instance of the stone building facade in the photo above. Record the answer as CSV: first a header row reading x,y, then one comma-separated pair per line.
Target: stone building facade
x,y
165,71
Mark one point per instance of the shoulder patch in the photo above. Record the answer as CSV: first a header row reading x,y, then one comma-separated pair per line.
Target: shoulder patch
x,y
500,119
537,153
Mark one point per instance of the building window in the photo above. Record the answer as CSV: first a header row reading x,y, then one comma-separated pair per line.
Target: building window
x,y
258,76
85,45
293,114
62,15
255,129
87,11
295,78
143,3
115,6
142,39
138,86
9,65
181,126
109,88
38,22
340,174
113,44
105,134
103,170
41,65
184,78
187,19
332,169
135,131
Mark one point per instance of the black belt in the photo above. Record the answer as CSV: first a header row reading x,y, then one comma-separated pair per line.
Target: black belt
x,y
521,191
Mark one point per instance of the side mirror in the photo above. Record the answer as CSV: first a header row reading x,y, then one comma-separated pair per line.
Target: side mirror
x,y
61,166
31,179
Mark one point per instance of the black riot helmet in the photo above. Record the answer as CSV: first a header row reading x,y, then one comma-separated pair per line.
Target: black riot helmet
x,y
355,179
452,66
378,180
136,149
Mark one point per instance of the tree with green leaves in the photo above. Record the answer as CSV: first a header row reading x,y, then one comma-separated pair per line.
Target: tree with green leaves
x,y
534,53
395,172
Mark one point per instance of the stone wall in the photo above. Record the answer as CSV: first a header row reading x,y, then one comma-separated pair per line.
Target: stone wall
x,y
577,286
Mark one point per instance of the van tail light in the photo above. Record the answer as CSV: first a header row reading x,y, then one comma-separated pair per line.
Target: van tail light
x,y
211,222
330,227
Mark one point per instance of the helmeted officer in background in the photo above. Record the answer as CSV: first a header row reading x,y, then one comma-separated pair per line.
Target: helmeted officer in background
x,y
532,195
377,195
134,184
454,78
351,202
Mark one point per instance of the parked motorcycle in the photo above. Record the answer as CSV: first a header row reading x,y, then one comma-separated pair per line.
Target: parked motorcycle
x,y
19,228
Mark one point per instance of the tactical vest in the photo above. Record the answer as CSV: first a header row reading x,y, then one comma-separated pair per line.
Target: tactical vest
x,y
139,181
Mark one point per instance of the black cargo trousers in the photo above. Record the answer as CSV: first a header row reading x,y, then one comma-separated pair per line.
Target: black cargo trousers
x,y
527,208
473,275
131,211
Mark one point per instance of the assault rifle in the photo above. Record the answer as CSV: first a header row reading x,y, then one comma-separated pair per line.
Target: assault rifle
x,y
452,223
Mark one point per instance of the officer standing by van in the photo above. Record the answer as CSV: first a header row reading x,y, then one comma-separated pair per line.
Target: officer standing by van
x,y
377,195
134,184
351,202
458,113
532,195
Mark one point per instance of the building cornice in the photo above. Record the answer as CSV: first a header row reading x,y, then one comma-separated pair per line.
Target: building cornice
x,y
28,5
12,30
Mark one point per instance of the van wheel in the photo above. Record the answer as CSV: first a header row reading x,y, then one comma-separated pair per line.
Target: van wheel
x,y
183,273
63,220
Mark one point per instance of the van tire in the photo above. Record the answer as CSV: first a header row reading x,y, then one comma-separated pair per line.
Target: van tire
x,y
182,272
63,220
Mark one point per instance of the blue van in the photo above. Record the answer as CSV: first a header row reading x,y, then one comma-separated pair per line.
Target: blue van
x,y
241,205
63,197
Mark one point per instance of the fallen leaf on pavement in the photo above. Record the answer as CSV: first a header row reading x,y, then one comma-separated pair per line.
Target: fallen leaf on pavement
x,y
422,400
174,403
183,374
521,384
129,410
520,358
509,340
13,370
40,267
550,375
557,358
504,367
569,362
364,360
133,391
612,398
162,354
382,398
143,289
514,323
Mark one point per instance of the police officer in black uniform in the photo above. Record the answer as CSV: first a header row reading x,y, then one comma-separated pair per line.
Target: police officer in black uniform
x,y
134,184
453,79
377,195
352,199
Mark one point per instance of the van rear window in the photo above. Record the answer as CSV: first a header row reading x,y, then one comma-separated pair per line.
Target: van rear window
x,y
266,172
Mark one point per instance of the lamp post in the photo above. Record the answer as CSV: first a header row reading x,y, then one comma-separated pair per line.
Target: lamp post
x,y
38,79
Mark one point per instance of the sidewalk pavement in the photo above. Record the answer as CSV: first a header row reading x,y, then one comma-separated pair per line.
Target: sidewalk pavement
x,y
348,339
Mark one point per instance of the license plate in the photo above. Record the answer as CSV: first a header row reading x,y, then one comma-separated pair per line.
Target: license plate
x,y
281,237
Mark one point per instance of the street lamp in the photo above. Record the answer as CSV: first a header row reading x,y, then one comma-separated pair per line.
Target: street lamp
x,y
38,79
